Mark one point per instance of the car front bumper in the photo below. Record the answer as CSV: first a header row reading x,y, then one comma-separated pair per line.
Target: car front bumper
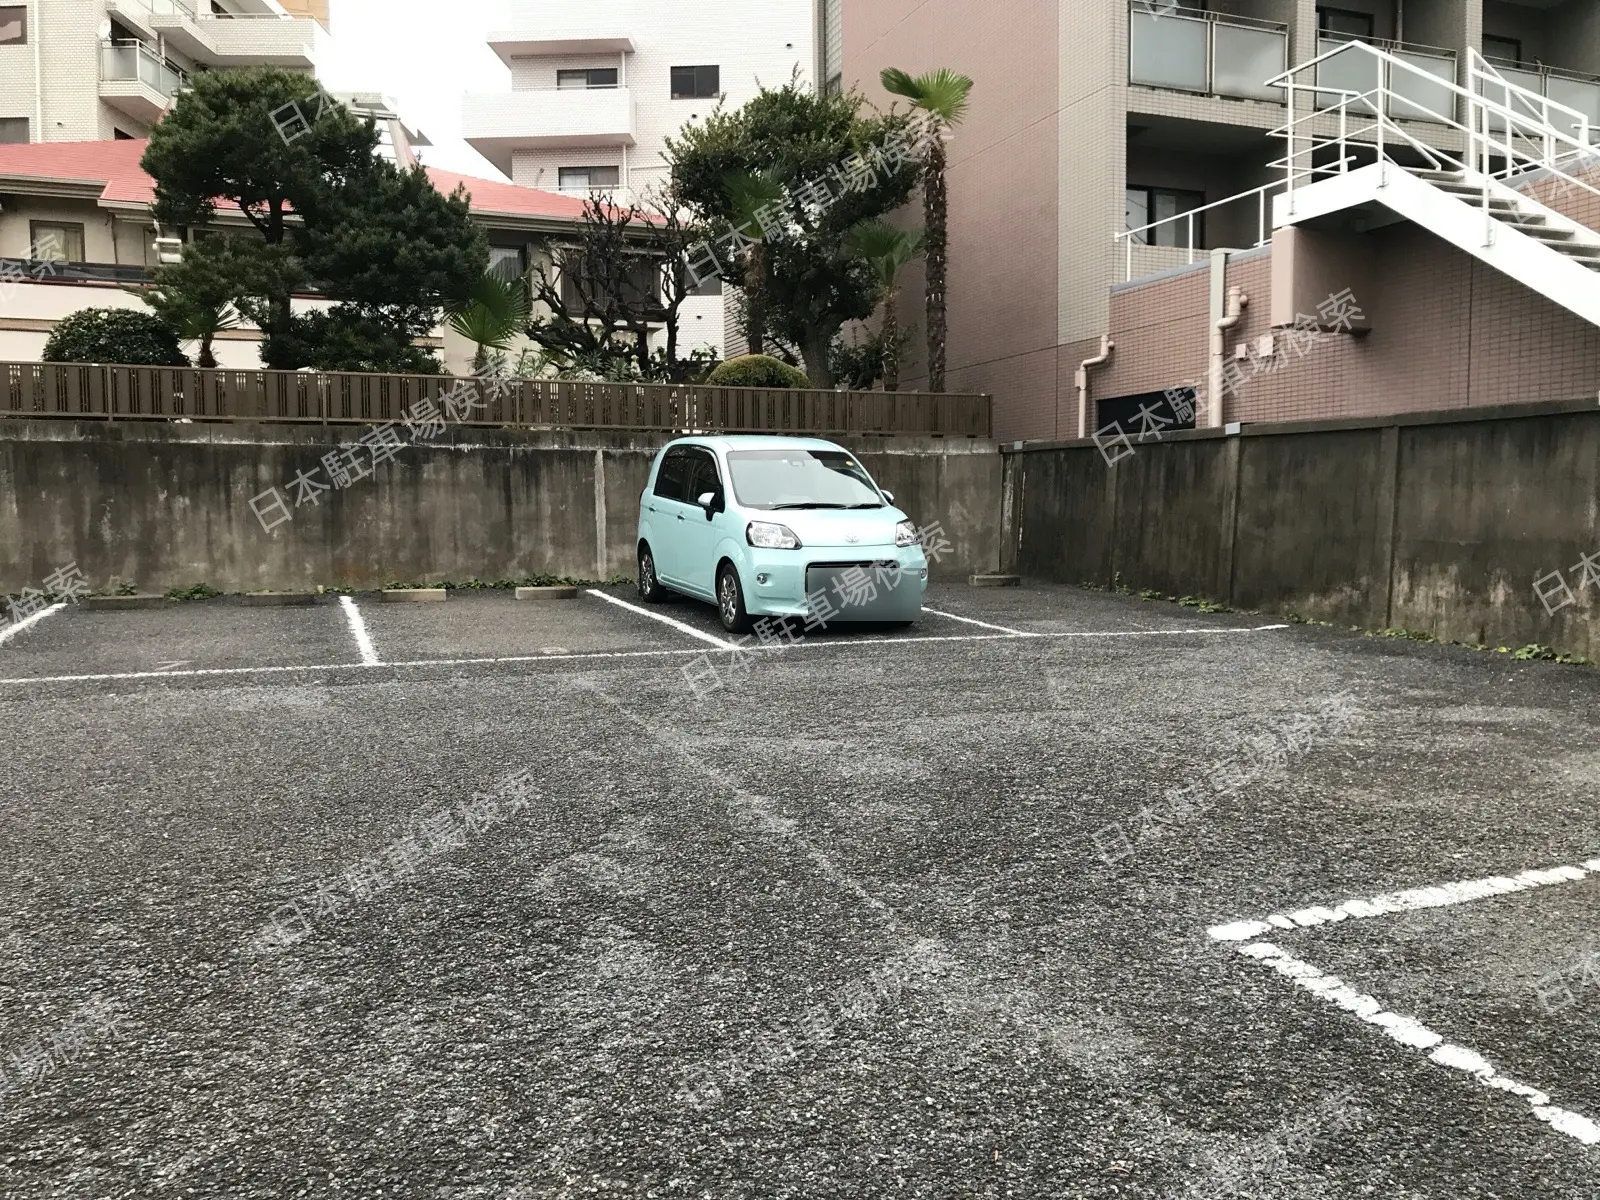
x,y
856,583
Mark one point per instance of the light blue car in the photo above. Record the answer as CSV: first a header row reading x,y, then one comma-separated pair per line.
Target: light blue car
x,y
776,527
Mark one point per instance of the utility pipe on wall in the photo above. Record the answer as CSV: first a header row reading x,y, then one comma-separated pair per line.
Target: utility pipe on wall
x,y
36,36
1227,310
1106,347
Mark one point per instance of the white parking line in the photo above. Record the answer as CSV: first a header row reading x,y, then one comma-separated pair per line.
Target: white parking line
x,y
358,630
11,631
663,618
984,624
811,644
1408,1031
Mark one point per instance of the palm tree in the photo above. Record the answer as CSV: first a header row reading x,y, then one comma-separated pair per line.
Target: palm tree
x,y
887,249
750,195
942,96
491,315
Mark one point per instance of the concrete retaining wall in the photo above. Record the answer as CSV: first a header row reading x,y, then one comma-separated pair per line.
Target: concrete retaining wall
x,y
163,504
1434,522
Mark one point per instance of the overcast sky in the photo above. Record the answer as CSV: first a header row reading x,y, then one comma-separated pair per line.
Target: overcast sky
x,y
423,56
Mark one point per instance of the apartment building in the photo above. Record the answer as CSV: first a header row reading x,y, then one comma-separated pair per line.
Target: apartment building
x,y
82,70
596,90
1120,224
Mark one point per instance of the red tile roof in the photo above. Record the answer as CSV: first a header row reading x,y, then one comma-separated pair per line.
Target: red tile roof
x,y
115,166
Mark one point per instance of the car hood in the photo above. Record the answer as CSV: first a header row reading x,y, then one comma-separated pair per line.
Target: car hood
x,y
835,526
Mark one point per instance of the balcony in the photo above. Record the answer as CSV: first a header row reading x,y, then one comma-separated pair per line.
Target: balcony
x,y
259,37
134,80
1414,98
558,37
1212,55
1570,88
497,123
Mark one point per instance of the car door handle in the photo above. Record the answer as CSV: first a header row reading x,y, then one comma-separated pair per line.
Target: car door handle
x,y
680,516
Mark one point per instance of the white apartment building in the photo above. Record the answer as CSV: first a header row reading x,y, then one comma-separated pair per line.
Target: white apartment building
x,y
87,70
596,89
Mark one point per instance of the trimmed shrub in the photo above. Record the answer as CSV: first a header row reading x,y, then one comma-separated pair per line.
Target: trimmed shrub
x,y
122,336
757,370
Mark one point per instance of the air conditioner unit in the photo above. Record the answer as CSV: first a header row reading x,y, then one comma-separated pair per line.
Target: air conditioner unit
x,y
169,250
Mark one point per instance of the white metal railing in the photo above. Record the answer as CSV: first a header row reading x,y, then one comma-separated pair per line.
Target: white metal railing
x,y
1202,52
125,61
1503,139
1568,88
1418,91
1147,235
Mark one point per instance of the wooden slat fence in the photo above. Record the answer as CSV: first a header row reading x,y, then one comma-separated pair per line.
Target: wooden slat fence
x,y
122,393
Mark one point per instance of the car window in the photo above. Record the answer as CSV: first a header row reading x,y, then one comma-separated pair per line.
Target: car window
x,y
801,477
672,479
703,477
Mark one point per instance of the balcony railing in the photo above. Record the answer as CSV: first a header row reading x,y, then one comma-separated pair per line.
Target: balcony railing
x,y
1192,52
133,61
1570,88
1410,96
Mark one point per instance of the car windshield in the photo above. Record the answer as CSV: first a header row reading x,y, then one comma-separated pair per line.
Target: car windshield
x,y
801,478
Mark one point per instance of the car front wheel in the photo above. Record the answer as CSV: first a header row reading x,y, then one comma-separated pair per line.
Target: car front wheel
x,y
730,601
650,589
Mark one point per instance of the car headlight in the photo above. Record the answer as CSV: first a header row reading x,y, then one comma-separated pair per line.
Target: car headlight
x,y
905,534
767,536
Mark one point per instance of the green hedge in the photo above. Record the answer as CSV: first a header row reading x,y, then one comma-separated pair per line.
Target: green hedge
x,y
757,370
115,335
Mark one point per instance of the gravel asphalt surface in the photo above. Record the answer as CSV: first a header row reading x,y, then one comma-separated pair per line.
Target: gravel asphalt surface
x,y
518,913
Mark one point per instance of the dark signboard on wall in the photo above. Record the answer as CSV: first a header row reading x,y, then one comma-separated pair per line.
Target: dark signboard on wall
x,y
1148,414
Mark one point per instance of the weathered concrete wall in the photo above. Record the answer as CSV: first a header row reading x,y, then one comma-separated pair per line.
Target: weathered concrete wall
x,y
164,505
1436,522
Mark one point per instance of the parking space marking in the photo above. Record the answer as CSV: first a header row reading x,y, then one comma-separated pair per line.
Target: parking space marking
x,y
1408,1031
984,624
358,630
810,644
663,618
16,627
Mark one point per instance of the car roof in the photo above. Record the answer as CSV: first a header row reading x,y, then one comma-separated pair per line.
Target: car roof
x,y
755,441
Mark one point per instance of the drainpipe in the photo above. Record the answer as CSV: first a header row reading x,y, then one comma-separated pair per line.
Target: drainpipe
x,y
36,36
1106,347
1227,310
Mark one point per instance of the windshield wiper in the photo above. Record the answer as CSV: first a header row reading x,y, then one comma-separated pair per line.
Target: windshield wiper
x,y
807,504
872,505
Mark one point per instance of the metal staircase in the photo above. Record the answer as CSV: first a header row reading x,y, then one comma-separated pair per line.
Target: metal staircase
x,y
1502,139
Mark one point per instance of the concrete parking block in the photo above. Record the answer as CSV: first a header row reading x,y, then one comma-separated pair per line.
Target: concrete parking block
x,y
277,599
416,595
995,580
124,603
547,593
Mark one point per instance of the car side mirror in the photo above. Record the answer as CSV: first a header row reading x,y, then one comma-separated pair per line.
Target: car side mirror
x,y
708,501
887,495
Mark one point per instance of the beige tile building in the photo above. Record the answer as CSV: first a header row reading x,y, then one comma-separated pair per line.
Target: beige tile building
x,y
1091,118
81,70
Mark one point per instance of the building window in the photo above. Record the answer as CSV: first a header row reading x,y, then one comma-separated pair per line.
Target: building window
x,y
508,262
587,77
636,286
56,241
1146,205
696,83
13,25
13,129
709,286
1503,49
582,179
1341,24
